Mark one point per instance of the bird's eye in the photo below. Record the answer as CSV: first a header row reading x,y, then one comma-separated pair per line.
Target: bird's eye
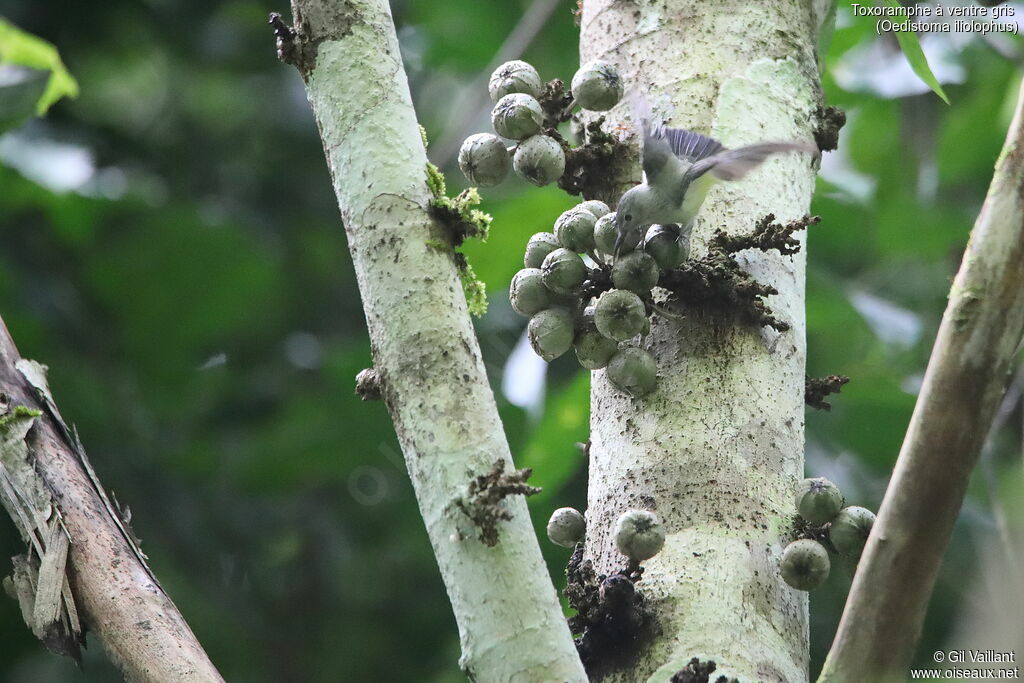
x,y
629,216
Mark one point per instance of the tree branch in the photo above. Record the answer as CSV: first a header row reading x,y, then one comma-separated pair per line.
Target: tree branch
x,y
979,335
432,376
83,569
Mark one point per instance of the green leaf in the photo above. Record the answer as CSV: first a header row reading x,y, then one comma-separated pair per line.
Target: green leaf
x,y
828,27
25,49
915,55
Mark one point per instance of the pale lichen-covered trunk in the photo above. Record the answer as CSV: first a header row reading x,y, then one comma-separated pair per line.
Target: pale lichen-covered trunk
x,y
432,374
717,449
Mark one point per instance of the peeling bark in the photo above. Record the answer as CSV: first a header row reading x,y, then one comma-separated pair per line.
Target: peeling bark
x,y
718,448
84,569
431,372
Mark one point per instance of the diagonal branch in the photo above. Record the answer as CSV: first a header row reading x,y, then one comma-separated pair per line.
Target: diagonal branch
x,y
83,569
967,373
430,370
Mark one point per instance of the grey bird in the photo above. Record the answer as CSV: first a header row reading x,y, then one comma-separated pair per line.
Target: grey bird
x,y
680,167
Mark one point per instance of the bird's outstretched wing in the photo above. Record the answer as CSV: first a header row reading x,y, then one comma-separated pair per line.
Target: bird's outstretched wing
x,y
661,143
691,146
733,164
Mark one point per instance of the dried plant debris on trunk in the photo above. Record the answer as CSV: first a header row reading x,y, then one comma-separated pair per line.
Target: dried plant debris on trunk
x,y
817,388
800,528
591,168
717,285
289,50
767,235
830,122
577,13
612,624
598,281
368,384
556,102
699,672
486,491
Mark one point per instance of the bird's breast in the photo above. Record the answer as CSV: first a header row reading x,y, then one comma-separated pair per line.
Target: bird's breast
x,y
694,196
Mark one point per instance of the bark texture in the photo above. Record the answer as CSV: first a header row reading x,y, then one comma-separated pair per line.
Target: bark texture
x,y
431,372
966,376
83,567
716,450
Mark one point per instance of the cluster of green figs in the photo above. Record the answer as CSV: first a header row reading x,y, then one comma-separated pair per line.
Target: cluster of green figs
x,y
638,534
805,562
516,90
552,290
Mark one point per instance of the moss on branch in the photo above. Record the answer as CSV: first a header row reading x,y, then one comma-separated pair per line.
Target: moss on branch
x,y
460,220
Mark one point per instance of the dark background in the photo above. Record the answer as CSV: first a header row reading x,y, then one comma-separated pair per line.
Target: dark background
x,y
172,250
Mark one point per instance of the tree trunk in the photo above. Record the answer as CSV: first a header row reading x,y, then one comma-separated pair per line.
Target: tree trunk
x,y
717,449
424,348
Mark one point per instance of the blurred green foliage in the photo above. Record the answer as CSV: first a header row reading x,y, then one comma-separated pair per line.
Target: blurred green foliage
x,y
172,250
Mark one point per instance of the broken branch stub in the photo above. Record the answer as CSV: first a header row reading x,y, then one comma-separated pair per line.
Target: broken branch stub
x,y
81,552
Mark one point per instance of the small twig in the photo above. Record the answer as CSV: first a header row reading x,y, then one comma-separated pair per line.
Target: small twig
x,y
567,112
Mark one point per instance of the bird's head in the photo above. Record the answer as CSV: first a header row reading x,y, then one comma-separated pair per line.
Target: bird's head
x,y
628,217
626,213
